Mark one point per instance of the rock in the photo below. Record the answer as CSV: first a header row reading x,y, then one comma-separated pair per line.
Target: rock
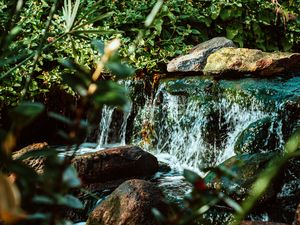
x,y
129,204
114,163
297,216
260,223
37,163
195,60
259,136
251,61
247,168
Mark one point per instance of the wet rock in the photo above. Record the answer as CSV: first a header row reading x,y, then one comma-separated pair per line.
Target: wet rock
x,y
114,163
251,61
130,203
260,223
246,168
297,216
195,60
37,163
259,136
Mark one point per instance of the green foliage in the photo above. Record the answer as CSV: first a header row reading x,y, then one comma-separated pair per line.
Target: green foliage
x,y
178,25
46,194
181,24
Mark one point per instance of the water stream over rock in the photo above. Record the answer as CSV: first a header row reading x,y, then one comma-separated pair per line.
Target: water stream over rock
x,y
198,122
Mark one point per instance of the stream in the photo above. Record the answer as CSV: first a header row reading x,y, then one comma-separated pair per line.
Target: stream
x,y
198,122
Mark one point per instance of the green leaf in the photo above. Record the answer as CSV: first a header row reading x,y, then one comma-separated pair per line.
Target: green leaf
x,y
120,70
233,30
95,31
191,176
60,118
99,45
69,201
70,177
79,81
93,20
42,199
153,13
75,83
26,112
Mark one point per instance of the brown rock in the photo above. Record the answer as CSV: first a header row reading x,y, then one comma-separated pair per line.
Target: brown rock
x,y
115,163
260,223
37,163
195,60
251,61
297,216
129,204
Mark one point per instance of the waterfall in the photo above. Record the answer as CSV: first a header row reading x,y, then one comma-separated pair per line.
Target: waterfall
x,y
106,122
104,126
201,128
179,129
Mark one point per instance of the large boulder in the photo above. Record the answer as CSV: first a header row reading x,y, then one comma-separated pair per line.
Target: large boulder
x,y
195,60
37,163
247,168
114,163
297,216
251,61
259,136
131,203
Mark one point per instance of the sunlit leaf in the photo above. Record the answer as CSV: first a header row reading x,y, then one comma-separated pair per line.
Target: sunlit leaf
x,y
153,13
10,201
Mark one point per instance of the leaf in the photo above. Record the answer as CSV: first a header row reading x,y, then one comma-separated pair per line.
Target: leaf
x,y
99,45
42,199
153,13
158,216
233,204
70,201
95,31
60,118
10,201
233,30
26,112
70,177
93,20
191,176
120,70
75,83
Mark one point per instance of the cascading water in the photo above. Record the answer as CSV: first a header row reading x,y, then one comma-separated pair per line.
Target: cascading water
x,y
179,129
106,126
196,123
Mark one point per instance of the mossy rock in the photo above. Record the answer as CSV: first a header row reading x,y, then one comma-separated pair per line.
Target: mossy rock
x,y
246,168
259,136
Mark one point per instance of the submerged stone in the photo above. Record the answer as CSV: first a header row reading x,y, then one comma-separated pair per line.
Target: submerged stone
x,y
131,203
231,61
195,60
